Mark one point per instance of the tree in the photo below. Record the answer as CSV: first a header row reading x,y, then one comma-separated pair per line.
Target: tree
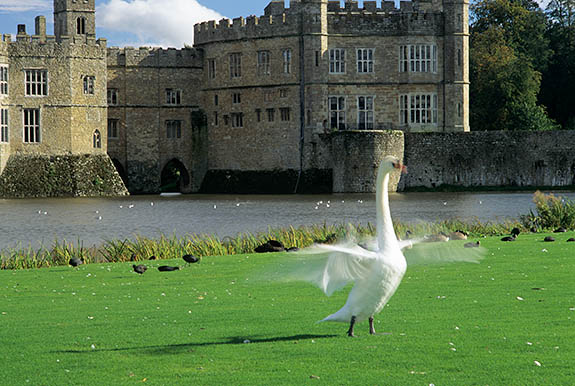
x,y
504,79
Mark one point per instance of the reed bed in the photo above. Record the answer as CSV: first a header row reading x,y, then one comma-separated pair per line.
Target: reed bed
x,y
169,247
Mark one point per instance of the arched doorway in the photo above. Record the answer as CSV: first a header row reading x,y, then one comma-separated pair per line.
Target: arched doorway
x,y
121,170
174,177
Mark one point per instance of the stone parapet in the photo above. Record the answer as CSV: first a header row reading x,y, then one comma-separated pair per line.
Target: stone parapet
x,y
154,57
423,17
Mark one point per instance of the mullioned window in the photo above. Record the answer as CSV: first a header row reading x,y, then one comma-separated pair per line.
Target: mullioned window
x,y
4,138
3,80
31,126
36,82
418,58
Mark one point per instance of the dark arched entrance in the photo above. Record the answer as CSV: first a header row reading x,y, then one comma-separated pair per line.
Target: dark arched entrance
x,y
175,177
121,170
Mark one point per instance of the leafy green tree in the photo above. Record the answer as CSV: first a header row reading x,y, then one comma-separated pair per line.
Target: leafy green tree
x,y
504,79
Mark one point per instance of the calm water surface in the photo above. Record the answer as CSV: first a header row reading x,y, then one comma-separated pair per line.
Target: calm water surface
x,y
93,220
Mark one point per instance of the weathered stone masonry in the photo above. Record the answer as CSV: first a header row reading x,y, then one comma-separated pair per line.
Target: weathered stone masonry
x,y
54,108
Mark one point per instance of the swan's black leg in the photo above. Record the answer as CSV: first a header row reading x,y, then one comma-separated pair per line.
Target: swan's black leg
x,y
351,324
371,329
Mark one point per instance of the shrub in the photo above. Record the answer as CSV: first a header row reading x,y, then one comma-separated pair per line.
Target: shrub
x,y
551,212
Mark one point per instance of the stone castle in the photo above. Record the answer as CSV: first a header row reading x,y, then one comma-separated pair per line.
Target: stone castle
x,y
303,98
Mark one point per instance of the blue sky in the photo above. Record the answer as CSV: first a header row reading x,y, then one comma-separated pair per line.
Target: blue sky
x,y
167,23
115,18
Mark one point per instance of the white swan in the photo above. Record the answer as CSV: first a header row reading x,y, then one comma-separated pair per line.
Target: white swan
x,y
376,274
376,271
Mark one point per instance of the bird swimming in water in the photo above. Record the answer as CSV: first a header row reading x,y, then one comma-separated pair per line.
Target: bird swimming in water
x,y
376,270
141,268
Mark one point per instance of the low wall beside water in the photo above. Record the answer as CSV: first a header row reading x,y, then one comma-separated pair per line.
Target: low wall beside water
x,y
489,159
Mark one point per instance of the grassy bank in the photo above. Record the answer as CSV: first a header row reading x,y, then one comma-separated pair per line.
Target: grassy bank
x,y
507,321
169,247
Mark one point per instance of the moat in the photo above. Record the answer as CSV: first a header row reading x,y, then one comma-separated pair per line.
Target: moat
x,y
94,220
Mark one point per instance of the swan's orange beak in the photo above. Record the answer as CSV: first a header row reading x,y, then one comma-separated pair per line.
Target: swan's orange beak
x,y
400,166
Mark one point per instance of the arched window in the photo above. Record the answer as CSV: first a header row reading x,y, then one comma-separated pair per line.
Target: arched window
x,y
97,139
81,26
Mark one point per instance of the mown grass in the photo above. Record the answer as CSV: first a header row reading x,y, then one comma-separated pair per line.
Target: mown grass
x,y
455,324
169,247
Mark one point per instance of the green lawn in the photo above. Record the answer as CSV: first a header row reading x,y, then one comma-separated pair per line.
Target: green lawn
x,y
455,324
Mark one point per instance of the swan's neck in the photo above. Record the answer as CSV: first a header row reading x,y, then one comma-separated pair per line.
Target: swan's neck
x,y
385,232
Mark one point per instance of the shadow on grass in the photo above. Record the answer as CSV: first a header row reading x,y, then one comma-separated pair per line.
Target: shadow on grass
x,y
177,348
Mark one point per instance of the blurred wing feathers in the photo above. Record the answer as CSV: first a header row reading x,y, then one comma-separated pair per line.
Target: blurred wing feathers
x,y
442,252
329,267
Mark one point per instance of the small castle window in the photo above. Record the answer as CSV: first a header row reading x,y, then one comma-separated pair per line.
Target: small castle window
x,y
112,97
365,112
237,119
317,58
235,65
31,126
459,110
212,68
97,139
81,26
337,61
89,82
258,115
283,92
173,97
174,129
112,128
3,80
216,101
285,114
4,138
271,114
286,54
336,112
236,98
264,67
36,82
215,118
364,60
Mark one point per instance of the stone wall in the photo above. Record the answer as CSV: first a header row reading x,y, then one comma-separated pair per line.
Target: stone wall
x,y
142,147
357,155
489,159
60,176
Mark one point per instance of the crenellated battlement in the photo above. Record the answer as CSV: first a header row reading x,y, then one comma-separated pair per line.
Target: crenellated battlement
x,y
154,57
41,45
278,20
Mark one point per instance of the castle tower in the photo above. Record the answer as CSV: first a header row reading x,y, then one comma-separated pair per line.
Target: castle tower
x,y
74,18
456,13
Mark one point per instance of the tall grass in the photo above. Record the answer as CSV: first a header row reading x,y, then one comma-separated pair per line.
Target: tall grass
x,y
551,212
168,247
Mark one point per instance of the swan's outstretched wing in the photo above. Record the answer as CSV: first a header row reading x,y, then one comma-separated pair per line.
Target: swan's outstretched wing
x,y
417,251
442,252
329,267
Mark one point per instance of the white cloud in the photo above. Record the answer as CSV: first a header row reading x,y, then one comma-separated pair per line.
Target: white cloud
x,y
24,5
155,22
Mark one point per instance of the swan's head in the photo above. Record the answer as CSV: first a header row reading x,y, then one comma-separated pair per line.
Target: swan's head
x,y
390,163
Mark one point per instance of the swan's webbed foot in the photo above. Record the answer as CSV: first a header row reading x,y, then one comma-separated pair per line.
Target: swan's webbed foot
x,y
351,325
371,328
